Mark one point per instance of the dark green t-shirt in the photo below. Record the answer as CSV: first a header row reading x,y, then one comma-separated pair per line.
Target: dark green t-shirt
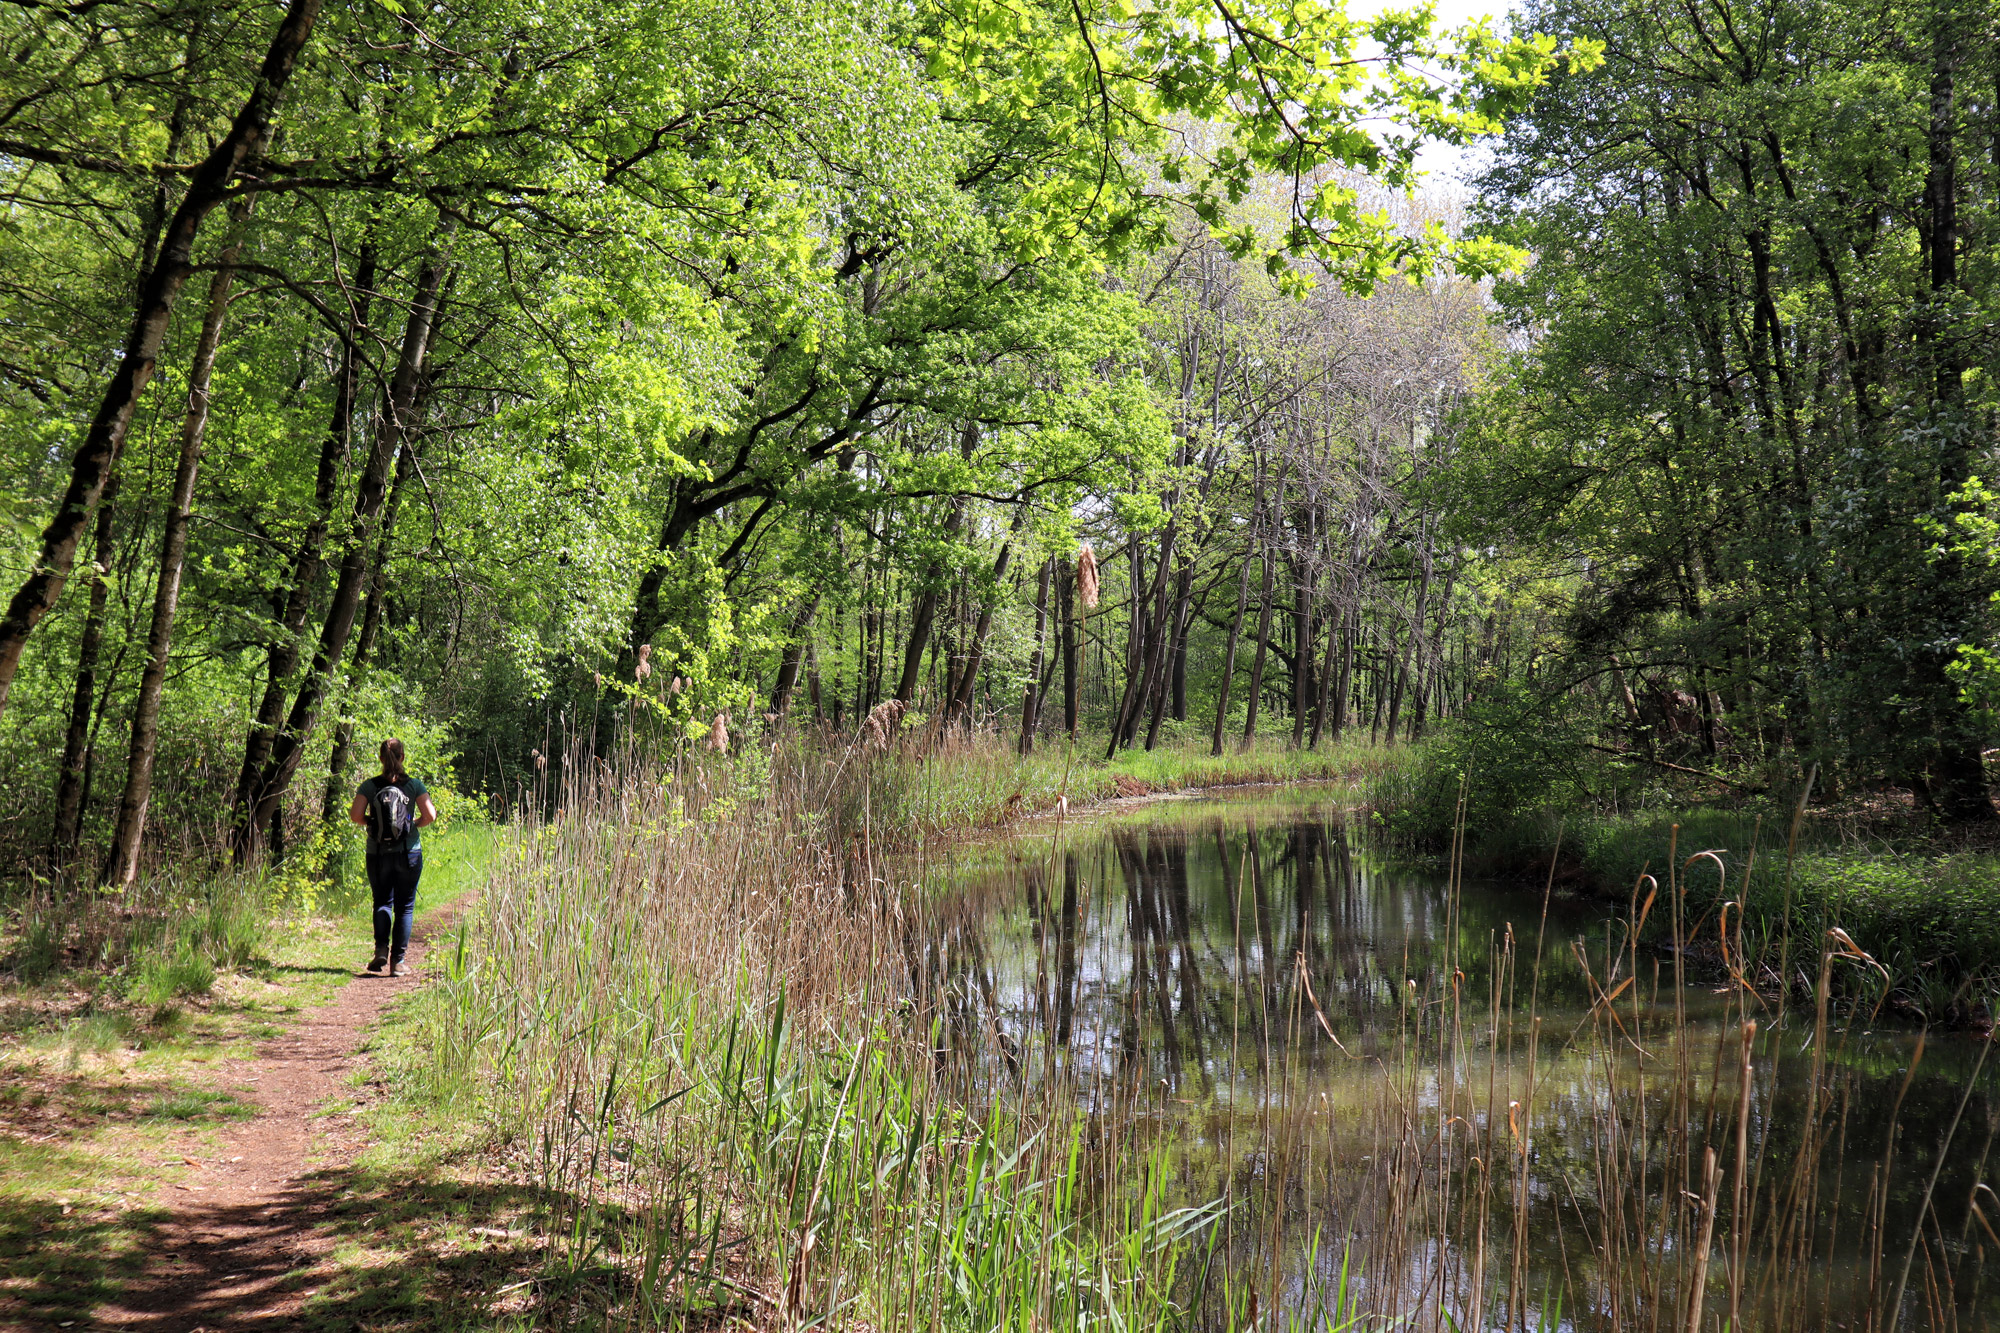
x,y
417,790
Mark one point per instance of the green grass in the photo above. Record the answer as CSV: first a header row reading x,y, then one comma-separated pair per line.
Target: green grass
x,y
918,792
1932,921
117,1017
1928,920
205,1104
70,1234
98,1033
159,979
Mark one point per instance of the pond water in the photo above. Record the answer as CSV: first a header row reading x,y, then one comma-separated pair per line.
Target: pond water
x,y
1462,1105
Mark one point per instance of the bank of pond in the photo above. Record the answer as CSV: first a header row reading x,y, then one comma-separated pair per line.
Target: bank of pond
x,y
1214,1061
1501,1098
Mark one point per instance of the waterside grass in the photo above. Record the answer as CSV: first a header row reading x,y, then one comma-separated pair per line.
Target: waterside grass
x,y
1765,869
935,787
738,1068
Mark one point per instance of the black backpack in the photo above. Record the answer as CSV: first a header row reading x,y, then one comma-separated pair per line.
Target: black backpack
x,y
391,816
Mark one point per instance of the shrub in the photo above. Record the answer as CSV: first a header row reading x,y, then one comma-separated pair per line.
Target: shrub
x,y
1512,758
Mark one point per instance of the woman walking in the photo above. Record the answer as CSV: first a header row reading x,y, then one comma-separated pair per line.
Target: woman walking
x,y
392,806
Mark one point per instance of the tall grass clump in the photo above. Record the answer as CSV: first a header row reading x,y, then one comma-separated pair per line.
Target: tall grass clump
x,y
167,936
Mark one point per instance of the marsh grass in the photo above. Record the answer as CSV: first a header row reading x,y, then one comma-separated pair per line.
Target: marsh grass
x,y
930,785
1930,916
751,1072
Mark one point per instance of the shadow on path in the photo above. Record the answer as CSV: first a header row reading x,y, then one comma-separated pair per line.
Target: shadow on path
x,y
273,1225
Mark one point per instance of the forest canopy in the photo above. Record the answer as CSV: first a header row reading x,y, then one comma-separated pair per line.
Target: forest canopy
x,y
521,377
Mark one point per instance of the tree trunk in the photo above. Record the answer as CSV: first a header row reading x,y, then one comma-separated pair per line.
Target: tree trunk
x,y
1380,691
1256,695
1180,647
68,830
1148,652
1135,639
1959,773
922,614
1327,683
1173,649
1067,627
975,655
335,799
303,580
121,866
395,424
1302,656
1031,705
1344,686
78,760
1410,645
98,454
1434,672
1229,656
788,666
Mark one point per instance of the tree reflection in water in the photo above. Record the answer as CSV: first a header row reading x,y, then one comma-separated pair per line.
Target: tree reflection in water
x,y
1246,994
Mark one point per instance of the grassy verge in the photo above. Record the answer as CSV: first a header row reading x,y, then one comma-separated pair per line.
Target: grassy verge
x,y
924,792
124,1027
1772,879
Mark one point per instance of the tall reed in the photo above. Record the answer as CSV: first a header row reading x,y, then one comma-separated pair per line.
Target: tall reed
x,y
760,1071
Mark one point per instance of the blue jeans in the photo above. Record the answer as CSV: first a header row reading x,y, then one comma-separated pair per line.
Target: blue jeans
x,y
392,876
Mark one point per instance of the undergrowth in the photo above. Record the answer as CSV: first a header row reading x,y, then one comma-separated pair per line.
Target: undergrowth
x,y
1532,802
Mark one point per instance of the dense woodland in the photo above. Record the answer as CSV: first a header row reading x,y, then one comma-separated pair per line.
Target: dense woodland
x,y
529,379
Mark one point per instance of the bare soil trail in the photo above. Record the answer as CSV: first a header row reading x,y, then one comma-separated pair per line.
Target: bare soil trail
x,y
249,1227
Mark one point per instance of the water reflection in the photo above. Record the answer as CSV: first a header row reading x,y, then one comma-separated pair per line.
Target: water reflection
x,y
1501,1104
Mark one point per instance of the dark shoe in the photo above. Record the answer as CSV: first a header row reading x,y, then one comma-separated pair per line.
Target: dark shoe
x,y
379,961
396,968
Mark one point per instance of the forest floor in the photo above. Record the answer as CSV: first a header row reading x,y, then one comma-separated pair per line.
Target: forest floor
x,y
211,1170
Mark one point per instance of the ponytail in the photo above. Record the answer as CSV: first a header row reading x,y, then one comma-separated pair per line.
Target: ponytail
x,y
392,758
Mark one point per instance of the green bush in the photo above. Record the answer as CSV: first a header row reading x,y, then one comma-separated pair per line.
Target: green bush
x,y
1931,922
1513,761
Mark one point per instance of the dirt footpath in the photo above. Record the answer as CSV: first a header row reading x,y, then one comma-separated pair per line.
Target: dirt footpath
x,y
247,1233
